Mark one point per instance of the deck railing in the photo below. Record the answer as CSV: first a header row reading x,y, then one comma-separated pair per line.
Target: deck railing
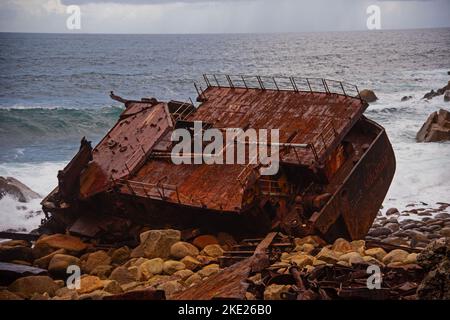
x,y
297,84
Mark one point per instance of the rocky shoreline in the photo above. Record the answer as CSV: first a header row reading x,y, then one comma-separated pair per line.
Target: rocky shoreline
x,y
411,248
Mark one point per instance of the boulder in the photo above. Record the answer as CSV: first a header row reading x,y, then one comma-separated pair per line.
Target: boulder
x,y
26,287
95,259
436,128
191,263
193,279
368,95
352,258
212,250
15,188
379,232
342,245
377,253
302,260
397,255
438,92
204,240
183,274
170,287
47,244
406,98
156,243
209,270
447,96
151,267
392,211
124,275
10,253
89,283
45,260
120,255
181,249
172,266
60,262
102,271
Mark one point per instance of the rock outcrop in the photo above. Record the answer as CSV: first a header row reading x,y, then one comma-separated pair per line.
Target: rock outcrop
x,y
15,188
438,92
368,95
436,128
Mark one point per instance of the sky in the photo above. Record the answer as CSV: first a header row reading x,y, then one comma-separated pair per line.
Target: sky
x,y
218,16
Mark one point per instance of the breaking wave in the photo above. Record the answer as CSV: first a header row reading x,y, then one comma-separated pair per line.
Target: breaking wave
x,y
23,125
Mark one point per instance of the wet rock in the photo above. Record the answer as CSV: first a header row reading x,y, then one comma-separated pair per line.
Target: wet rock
x,y
436,128
447,96
47,244
18,190
204,240
191,263
397,255
445,232
396,241
182,249
10,253
392,211
60,262
378,232
124,275
156,243
120,255
406,98
151,267
212,250
172,266
95,259
276,291
27,286
392,226
442,215
368,95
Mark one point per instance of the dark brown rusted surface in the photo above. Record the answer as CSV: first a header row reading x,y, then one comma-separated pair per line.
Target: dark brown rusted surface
x,y
335,165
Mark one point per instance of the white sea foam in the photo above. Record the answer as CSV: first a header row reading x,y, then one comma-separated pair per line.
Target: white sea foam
x,y
41,177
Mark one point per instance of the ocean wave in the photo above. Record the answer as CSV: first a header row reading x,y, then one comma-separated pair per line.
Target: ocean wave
x,y
24,125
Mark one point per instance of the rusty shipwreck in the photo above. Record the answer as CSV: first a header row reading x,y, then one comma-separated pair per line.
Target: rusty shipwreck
x,y
335,165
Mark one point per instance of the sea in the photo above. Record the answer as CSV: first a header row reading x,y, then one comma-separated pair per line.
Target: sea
x,y
54,90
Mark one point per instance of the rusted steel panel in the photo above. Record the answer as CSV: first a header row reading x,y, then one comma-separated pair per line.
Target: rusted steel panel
x,y
359,198
319,119
126,146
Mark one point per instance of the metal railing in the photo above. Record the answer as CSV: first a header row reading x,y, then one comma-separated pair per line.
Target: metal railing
x,y
297,84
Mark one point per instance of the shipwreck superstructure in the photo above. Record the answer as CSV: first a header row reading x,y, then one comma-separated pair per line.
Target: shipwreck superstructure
x,y
335,165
